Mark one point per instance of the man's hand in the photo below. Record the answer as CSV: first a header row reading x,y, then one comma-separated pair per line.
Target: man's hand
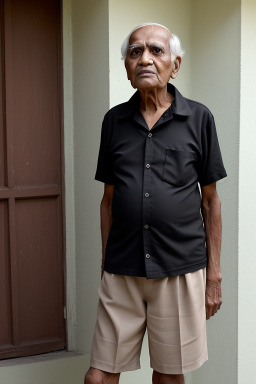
x,y
213,297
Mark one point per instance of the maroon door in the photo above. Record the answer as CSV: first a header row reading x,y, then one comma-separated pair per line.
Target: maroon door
x,y
31,214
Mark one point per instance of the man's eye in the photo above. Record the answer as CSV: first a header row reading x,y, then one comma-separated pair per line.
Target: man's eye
x,y
156,50
136,52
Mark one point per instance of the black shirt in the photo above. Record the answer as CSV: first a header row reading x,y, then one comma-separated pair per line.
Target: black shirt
x,y
157,228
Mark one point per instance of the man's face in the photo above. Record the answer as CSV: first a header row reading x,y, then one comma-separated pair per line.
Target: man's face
x,y
148,60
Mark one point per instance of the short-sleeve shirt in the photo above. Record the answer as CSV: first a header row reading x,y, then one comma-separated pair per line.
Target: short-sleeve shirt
x,y
157,229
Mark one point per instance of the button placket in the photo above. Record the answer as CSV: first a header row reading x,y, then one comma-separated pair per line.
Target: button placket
x,y
147,193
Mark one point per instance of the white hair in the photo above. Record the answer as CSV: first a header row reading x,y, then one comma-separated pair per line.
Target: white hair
x,y
175,43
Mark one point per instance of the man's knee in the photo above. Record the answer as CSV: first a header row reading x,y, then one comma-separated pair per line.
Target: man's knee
x,y
93,376
96,376
161,378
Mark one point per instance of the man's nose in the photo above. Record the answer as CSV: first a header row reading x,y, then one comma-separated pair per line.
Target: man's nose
x,y
146,57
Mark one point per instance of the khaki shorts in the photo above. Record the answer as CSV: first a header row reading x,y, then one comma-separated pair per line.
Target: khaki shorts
x,y
173,311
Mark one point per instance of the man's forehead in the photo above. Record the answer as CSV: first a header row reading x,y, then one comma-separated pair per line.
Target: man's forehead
x,y
150,33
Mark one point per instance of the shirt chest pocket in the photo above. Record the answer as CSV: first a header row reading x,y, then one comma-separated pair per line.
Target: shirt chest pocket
x,y
179,167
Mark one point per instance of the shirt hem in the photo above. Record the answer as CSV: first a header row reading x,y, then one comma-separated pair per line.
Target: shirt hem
x,y
126,272
158,274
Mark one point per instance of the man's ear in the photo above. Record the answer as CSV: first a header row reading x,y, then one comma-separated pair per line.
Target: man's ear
x,y
176,67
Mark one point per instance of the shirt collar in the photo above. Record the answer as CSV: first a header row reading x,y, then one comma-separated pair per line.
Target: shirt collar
x,y
179,105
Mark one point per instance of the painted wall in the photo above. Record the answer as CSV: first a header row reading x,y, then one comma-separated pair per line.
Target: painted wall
x,y
52,368
216,83
247,200
90,103
70,265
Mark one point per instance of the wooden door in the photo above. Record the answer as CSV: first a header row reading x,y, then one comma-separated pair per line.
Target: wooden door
x,y
31,182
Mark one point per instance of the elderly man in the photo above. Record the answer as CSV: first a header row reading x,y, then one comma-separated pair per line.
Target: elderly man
x,y
160,220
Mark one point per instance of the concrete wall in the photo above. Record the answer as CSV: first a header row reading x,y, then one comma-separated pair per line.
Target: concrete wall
x,y
52,368
216,82
90,103
247,200
70,267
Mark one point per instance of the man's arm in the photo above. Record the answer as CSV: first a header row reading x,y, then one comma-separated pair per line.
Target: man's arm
x,y
211,210
106,218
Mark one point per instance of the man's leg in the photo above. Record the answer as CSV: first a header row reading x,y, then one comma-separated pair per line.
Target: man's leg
x,y
161,378
96,376
176,326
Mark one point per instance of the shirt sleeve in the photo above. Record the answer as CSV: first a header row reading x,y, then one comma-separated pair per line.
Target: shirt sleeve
x,y
211,165
105,171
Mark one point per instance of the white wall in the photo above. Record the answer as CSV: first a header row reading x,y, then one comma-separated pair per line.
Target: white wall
x,y
247,200
70,265
90,101
216,82
53,368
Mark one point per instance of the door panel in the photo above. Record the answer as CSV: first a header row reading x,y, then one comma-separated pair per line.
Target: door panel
x,y
39,258
5,296
3,175
33,92
31,180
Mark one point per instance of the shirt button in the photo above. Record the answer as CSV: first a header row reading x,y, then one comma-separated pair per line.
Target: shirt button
x,y
148,166
146,194
150,134
147,256
146,226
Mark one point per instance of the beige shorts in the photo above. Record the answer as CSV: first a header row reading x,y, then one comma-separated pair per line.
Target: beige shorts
x,y
171,309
